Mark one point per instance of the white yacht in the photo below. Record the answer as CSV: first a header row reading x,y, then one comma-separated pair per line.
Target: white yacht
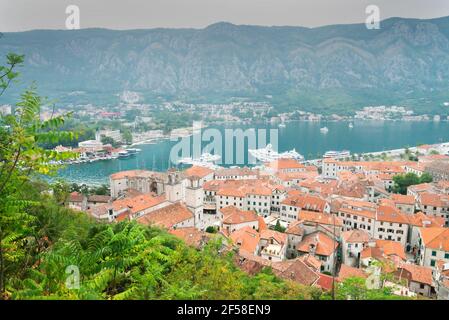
x,y
350,125
132,151
292,154
267,154
123,154
324,130
205,160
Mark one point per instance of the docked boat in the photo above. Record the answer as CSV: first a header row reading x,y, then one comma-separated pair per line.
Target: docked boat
x,y
292,154
324,130
267,154
205,160
132,151
282,125
337,154
350,125
124,154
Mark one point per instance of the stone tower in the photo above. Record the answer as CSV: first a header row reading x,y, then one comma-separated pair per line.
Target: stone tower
x,y
194,200
173,187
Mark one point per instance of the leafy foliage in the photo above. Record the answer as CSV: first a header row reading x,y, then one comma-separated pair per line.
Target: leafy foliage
x,y
403,181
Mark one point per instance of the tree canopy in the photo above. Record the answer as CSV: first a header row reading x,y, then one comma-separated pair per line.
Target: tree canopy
x,y
403,181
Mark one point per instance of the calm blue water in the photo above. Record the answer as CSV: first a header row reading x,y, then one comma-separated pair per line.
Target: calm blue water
x,y
366,136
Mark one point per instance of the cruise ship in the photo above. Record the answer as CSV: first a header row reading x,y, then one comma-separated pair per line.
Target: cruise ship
x,y
267,154
337,154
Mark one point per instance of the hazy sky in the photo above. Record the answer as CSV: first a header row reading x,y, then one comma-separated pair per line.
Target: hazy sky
x,y
18,15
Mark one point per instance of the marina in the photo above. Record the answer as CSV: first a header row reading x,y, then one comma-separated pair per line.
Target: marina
x,y
304,136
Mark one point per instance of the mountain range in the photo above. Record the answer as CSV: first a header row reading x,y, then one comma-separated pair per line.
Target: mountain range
x,y
335,68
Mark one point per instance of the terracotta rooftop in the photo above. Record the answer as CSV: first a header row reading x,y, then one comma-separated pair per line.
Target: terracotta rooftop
x,y
419,219
167,217
391,214
320,218
384,248
306,202
76,197
281,164
349,272
356,236
295,270
279,237
138,203
419,274
324,245
198,171
434,200
403,199
191,236
233,215
246,238
295,228
325,282
435,238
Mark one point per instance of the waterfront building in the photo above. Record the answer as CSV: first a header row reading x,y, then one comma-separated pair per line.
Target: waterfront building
x,y
91,145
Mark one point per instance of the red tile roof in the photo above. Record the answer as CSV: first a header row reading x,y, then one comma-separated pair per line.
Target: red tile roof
x,y
168,216
233,215
349,272
355,236
198,171
138,203
324,245
246,238
435,238
419,274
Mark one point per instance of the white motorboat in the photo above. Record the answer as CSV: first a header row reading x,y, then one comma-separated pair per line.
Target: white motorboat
x,y
324,130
